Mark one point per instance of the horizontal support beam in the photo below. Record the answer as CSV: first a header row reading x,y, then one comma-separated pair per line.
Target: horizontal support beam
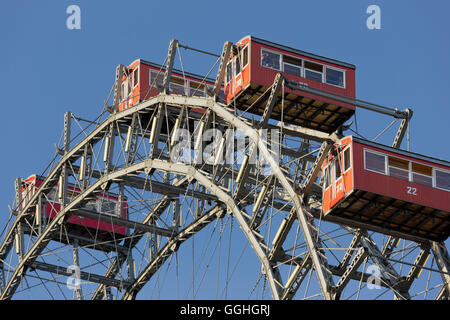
x,y
141,183
122,222
305,133
347,100
338,271
86,276
354,265
88,243
170,247
198,50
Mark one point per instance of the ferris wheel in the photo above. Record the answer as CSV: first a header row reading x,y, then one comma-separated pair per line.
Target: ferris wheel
x,y
239,187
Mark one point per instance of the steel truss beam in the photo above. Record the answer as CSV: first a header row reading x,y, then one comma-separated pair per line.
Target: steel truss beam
x,y
122,222
305,133
369,247
402,129
86,276
230,203
395,282
315,170
48,182
136,236
354,265
117,87
169,248
296,278
392,242
88,243
271,101
131,139
443,261
170,60
281,235
317,260
335,270
155,186
71,156
222,68
39,245
416,269
258,214
54,224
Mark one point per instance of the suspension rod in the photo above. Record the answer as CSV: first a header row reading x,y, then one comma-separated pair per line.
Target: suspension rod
x,y
394,112
198,50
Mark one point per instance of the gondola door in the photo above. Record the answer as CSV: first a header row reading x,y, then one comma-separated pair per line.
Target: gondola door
x,y
337,189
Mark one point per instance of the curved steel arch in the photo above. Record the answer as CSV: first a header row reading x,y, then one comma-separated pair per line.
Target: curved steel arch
x,y
98,133
170,247
146,164
324,275
71,156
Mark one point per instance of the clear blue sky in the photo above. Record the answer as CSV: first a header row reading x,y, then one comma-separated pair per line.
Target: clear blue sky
x,y
47,69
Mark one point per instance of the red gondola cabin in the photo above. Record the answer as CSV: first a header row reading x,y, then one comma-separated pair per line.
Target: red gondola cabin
x,y
105,204
388,190
143,78
252,70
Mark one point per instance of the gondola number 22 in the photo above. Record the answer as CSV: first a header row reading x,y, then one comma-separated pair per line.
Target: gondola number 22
x,y
411,190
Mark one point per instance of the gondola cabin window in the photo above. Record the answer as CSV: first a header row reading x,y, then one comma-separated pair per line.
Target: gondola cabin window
x,y
177,86
337,169
237,65
129,80
326,177
122,92
313,71
301,68
347,163
135,77
241,60
422,174
292,65
156,79
442,179
100,204
245,56
398,168
406,170
196,89
229,71
335,77
374,162
270,59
